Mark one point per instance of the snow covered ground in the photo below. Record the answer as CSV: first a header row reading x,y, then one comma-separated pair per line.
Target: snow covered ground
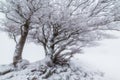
x,y
105,57
76,70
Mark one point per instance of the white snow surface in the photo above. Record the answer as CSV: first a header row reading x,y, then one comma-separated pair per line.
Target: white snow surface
x,y
76,70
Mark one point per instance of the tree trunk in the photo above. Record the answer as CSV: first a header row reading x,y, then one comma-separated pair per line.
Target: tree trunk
x,y
49,49
49,56
20,45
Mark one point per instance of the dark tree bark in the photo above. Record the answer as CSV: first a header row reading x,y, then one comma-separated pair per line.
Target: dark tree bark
x,y
20,45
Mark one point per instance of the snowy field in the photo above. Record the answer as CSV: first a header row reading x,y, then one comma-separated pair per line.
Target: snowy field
x,y
105,57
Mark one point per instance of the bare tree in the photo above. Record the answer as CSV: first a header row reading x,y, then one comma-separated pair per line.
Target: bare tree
x,y
68,25
20,16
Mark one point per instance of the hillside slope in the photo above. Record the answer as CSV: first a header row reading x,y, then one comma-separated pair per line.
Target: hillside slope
x,y
75,70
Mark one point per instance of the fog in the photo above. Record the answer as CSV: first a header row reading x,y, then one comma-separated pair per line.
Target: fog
x,y
31,51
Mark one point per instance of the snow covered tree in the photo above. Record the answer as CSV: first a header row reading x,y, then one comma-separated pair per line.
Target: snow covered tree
x,y
19,16
65,26
62,27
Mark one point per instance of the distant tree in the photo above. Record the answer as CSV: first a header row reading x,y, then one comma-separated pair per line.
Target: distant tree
x,y
20,16
68,25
